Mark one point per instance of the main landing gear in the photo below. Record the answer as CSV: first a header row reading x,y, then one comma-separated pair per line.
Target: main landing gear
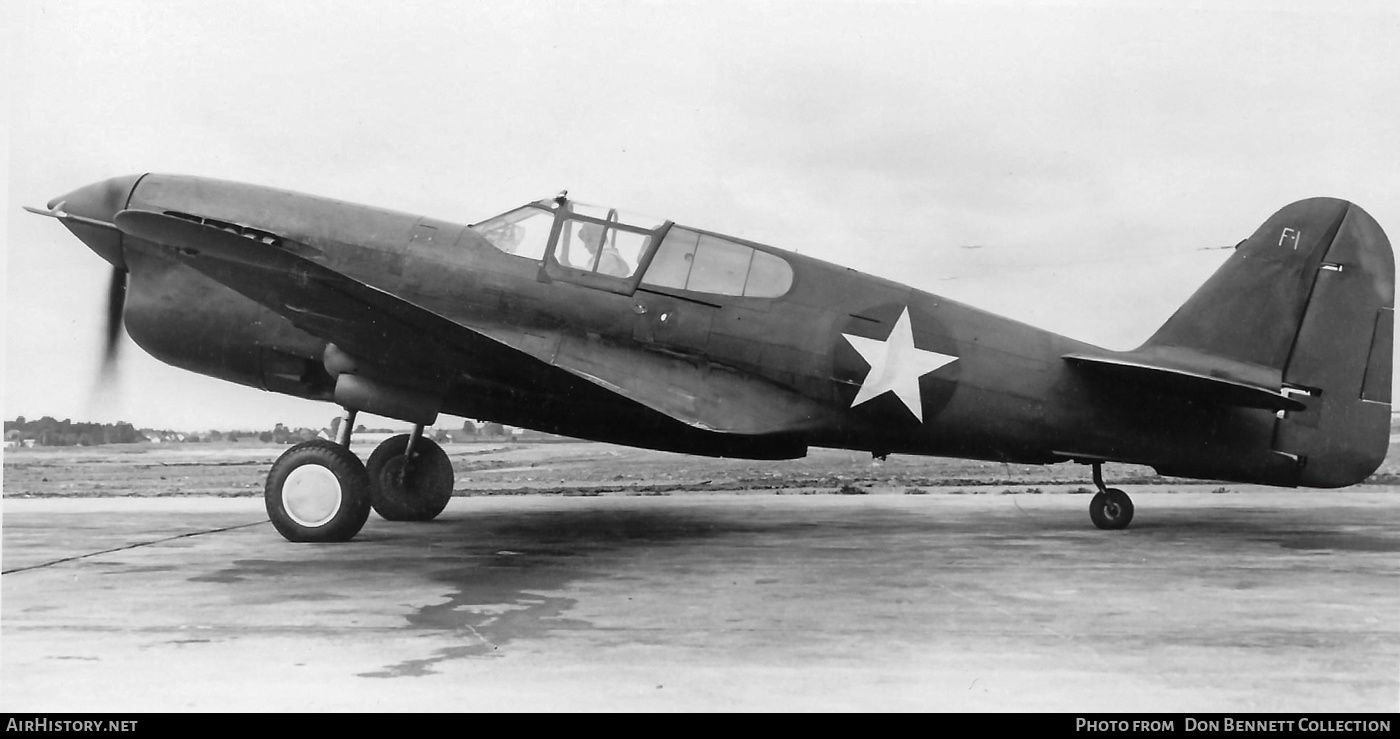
x,y
318,490
1110,508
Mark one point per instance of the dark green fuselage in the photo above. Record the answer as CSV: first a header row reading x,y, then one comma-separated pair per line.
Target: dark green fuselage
x,y
1010,395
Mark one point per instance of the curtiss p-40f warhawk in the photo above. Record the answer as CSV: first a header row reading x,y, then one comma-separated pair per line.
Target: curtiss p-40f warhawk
x,y
592,323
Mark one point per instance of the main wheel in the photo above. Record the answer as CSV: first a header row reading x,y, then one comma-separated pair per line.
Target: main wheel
x,y
419,495
317,491
1111,509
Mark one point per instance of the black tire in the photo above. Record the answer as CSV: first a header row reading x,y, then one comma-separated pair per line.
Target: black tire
x,y
425,492
1111,509
316,506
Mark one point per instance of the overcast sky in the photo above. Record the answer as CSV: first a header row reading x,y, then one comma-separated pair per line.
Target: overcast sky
x,y
1093,152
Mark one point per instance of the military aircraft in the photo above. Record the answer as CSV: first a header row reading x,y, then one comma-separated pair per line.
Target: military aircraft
x,y
597,324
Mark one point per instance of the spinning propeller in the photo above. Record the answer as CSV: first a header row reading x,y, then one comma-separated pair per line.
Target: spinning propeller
x,y
90,213
116,302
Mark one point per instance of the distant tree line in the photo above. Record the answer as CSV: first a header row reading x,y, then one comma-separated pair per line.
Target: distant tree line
x,y
282,435
49,431
488,428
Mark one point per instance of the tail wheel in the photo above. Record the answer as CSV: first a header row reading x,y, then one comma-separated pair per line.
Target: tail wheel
x,y
1111,509
404,491
317,491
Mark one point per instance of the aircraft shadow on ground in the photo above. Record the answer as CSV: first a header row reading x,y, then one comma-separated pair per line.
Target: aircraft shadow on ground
x,y
1259,527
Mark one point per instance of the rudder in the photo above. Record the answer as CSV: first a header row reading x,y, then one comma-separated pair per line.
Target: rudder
x,y
1342,357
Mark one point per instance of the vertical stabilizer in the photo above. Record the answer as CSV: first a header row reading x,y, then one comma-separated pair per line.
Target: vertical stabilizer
x,y
1310,299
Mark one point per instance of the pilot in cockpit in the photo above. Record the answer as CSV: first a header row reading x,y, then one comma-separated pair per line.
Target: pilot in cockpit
x,y
611,262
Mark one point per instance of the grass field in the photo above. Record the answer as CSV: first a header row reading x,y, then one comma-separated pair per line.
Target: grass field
x,y
566,468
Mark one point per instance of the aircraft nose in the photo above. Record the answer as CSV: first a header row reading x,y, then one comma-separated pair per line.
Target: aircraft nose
x,y
100,201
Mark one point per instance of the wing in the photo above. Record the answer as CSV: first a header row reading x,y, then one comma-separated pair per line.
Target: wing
x,y
369,322
706,395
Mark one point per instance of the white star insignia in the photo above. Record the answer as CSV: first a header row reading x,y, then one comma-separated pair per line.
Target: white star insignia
x,y
896,365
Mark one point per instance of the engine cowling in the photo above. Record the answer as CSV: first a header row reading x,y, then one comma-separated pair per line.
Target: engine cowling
x,y
189,321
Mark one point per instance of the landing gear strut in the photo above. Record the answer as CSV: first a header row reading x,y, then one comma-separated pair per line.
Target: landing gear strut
x,y
1110,508
318,491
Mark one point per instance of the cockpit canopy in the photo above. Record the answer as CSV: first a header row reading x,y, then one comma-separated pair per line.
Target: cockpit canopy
x,y
607,248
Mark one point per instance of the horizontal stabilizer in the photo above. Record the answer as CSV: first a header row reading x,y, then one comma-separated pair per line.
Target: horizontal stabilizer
x,y
1191,374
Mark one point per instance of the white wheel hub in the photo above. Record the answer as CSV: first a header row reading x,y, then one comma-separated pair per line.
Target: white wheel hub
x,y
311,495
